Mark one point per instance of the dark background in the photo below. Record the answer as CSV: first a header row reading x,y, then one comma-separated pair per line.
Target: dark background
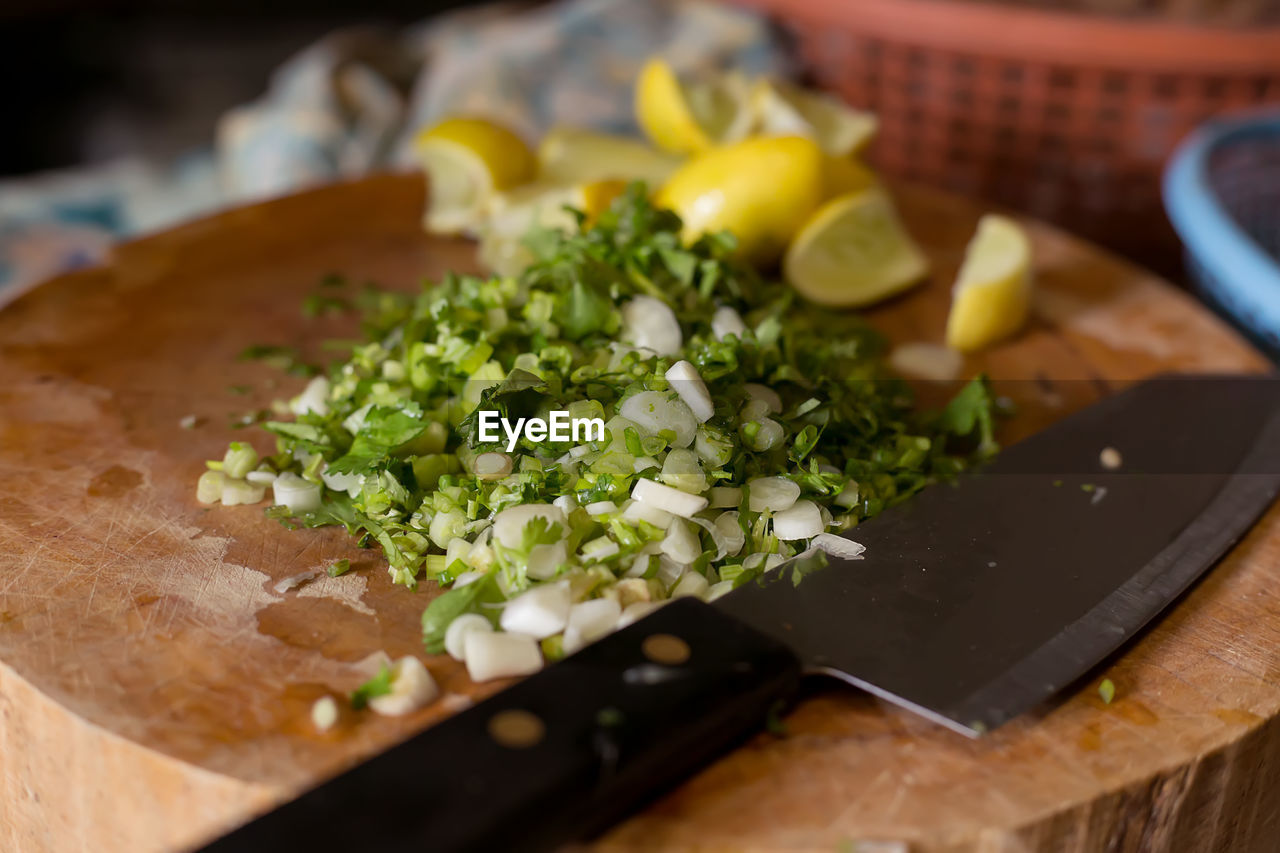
x,y
88,81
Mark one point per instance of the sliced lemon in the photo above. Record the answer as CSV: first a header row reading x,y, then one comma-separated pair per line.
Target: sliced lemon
x,y
570,155
684,117
854,251
785,110
992,293
762,189
512,214
467,160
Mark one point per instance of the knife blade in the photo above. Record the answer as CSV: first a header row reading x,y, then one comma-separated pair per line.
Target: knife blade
x,y
976,601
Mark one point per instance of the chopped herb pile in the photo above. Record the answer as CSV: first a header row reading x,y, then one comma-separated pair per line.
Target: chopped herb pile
x,y
742,427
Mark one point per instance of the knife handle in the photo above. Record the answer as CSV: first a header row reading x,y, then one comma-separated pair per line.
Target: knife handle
x,y
558,757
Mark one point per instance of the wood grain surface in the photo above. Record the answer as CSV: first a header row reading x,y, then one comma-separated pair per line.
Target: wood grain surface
x,y
155,687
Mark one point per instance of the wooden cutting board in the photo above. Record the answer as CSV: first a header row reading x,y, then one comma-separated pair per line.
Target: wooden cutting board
x,y
155,687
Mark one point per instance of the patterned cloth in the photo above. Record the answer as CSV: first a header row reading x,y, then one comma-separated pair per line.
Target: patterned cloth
x,y
352,102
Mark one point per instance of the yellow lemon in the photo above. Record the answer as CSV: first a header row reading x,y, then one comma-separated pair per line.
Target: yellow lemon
x,y
762,189
467,160
992,293
684,117
569,155
854,251
512,214
785,110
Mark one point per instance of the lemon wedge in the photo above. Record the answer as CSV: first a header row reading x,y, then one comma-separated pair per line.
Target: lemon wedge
x,y
762,189
785,110
687,116
570,155
512,214
854,251
467,160
992,293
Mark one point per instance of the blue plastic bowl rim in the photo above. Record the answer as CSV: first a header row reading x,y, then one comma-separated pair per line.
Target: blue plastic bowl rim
x,y
1218,244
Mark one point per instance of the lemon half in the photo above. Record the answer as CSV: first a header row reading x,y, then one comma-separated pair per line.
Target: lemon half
x,y
992,293
854,251
685,117
785,110
467,160
570,155
762,189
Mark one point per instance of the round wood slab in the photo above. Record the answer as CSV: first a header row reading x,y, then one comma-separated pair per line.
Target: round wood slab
x,y
155,685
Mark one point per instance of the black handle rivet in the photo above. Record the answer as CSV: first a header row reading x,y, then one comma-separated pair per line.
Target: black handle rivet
x,y
666,649
516,729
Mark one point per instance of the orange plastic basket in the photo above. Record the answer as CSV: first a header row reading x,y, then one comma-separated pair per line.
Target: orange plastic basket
x,y
1066,116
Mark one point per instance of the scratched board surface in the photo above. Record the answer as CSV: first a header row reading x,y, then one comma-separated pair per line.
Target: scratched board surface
x,y
155,682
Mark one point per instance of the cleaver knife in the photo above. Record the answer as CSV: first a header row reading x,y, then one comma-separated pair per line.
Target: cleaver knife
x,y
975,601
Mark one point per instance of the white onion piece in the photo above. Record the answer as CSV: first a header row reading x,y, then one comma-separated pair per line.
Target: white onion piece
x,y
691,584
601,507
681,543
349,483
724,496
314,398
767,436
565,503
726,321
639,610
544,560
492,655
412,687
650,324
772,493
356,419
716,537
719,589
455,635
600,548
466,578
641,511
508,525
764,394
639,566
492,466
589,621
687,382
210,486
324,713
238,492
644,463
297,494
652,411
849,495
799,521
261,478
838,546
669,571
295,581
753,410
672,500
539,612
730,530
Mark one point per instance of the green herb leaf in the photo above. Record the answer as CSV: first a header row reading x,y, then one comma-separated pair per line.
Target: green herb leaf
x,y
379,685
449,606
